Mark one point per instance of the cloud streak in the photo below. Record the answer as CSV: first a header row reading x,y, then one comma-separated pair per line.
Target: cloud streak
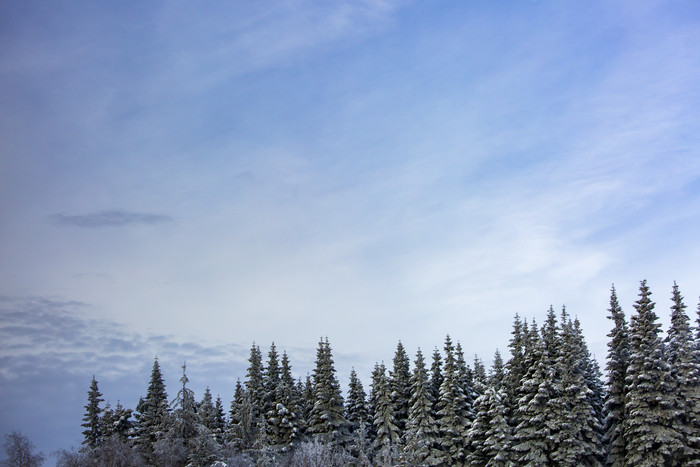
x,y
109,218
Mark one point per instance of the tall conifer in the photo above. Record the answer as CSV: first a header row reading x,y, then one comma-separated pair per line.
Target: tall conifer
x,y
650,435
618,359
681,355
91,421
422,431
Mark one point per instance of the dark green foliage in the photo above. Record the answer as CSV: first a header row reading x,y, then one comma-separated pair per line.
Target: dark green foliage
x,y
207,411
387,433
254,384
184,427
650,434
219,420
490,435
400,388
241,431
536,419
422,430
356,405
618,359
153,414
283,419
497,375
91,421
117,422
453,410
577,438
681,353
327,418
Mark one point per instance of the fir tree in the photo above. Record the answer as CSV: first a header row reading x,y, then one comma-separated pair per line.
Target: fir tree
x,y
400,387
537,410
285,418
219,429
453,410
436,379
357,416
618,358
254,384
516,367
307,403
387,433
577,435
465,377
681,355
91,421
480,379
117,422
356,404
497,375
490,435
649,431
422,430
207,411
153,414
186,421
271,382
327,419
241,432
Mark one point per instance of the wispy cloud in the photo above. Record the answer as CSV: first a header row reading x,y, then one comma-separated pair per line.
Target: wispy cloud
x,y
112,218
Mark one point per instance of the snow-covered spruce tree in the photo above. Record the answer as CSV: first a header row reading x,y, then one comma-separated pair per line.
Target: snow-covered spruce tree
x,y
436,379
307,404
152,415
271,382
618,358
107,422
358,418
219,420
387,433
91,420
538,411
117,422
480,379
422,431
254,385
185,425
240,433
680,353
650,435
372,402
207,411
356,404
453,410
286,410
516,368
465,377
400,386
327,418
490,435
497,374
577,438
592,376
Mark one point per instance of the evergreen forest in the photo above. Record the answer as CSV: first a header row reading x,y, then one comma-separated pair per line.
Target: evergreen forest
x,y
546,403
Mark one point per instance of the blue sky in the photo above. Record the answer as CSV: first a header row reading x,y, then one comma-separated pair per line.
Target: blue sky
x,y
185,178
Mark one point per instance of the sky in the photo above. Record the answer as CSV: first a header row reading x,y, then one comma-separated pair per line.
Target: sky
x,y
183,179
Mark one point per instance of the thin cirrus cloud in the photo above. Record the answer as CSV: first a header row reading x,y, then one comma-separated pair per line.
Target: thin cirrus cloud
x,y
109,218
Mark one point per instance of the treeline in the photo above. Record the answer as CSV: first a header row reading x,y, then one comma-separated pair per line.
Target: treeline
x,y
546,405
